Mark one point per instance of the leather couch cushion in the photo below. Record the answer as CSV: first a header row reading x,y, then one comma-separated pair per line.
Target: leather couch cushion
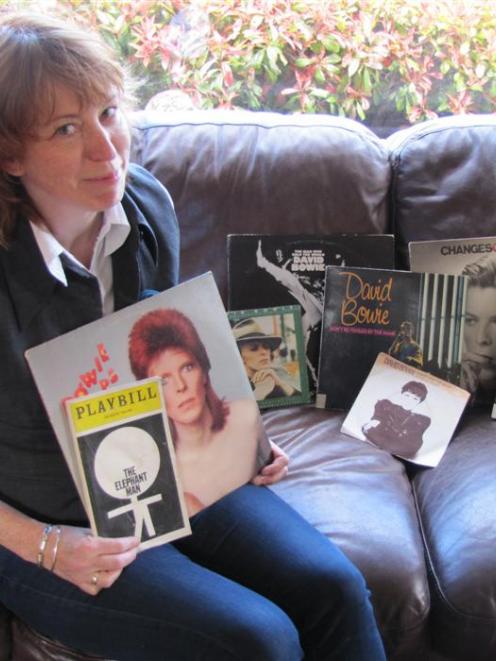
x,y
360,497
457,506
29,645
444,180
242,172
5,633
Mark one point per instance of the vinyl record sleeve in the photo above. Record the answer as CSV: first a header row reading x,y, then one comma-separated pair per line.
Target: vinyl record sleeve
x,y
415,317
476,258
95,357
277,370
267,270
406,411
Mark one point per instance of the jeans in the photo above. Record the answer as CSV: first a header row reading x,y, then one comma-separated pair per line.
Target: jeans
x,y
255,581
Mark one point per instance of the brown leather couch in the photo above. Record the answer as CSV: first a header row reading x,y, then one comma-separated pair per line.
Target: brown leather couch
x,y
423,537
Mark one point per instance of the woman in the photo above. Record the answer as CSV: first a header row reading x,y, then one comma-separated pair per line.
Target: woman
x,y
479,335
83,233
216,441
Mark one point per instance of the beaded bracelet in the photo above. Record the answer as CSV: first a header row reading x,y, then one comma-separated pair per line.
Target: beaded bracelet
x,y
55,547
43,542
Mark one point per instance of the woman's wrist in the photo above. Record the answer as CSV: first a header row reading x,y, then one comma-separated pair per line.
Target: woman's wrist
x,y
48,546
40,557
55,547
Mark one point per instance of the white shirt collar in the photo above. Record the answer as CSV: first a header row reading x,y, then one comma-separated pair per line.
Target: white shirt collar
x,y
50,250
114,231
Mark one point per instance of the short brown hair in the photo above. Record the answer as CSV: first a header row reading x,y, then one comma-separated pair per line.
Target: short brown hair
x,y
37,52
166,328
481,273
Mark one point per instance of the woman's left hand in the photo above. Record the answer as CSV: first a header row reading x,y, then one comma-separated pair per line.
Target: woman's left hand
x,y
276,470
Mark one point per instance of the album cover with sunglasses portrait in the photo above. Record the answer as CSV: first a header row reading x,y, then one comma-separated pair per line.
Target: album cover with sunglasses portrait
x,y
271,345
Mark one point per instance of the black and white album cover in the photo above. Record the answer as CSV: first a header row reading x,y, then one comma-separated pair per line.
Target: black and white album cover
x,y
406,411
474,257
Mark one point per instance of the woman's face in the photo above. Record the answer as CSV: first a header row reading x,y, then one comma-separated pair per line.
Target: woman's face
x,y
256,356
77,162
480,329
183,383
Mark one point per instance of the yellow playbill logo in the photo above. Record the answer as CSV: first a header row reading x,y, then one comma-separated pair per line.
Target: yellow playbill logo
x,y
97,410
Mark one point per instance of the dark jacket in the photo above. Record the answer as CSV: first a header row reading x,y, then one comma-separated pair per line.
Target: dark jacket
x,y
399,431
35,307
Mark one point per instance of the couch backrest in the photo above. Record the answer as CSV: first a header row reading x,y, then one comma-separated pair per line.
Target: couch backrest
x,y
243,172
443,180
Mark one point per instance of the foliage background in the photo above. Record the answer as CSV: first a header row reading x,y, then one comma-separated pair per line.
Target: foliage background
x,y
379,61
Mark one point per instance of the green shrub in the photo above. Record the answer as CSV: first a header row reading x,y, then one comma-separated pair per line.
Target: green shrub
x,y
412,59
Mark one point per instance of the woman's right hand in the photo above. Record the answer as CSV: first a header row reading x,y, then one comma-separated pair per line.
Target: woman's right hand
x,y
91,563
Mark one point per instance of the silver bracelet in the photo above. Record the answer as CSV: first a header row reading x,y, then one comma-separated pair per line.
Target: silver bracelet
x,y
43,542
55,547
